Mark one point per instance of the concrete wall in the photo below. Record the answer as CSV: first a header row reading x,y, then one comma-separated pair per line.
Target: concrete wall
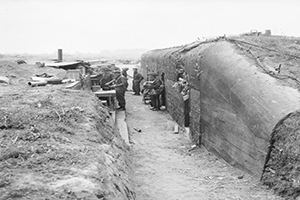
x,y
175,104
163,61
195,116
234,105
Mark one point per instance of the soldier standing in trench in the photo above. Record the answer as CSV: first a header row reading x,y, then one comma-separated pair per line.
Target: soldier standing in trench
x,y
120,83
124,74
155,91
137,78
107,77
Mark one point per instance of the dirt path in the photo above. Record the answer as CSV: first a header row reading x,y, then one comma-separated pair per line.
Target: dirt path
x,y
165,169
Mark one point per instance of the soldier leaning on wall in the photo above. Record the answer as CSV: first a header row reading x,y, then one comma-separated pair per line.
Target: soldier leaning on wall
x,y
137,79
154,91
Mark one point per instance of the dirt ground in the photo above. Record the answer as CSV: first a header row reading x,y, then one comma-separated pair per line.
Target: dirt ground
x,y
165,167
57,143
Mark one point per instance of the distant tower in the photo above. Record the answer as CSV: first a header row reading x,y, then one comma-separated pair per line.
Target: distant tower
x,y
60,55
268,32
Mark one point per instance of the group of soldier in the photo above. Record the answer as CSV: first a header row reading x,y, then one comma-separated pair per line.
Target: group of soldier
x,y
118,80
155,88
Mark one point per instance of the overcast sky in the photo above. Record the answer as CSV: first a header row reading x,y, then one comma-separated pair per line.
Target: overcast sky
x,y
42,26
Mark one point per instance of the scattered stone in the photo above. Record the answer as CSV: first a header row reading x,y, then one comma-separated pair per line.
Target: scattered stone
x,y
193,147
240,177
176,129
21,61
4,79
39,64
137,130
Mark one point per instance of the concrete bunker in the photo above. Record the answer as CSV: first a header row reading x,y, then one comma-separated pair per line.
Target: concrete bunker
x,y
236,100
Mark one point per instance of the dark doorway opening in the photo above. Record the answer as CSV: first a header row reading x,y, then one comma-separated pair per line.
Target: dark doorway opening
x,y
163,92
187,109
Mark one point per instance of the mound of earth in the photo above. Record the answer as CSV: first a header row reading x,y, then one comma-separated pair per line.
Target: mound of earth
x,y
58,144
278,56
282,172
19,75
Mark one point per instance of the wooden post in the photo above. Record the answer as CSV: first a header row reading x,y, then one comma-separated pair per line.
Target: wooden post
x,y
60,55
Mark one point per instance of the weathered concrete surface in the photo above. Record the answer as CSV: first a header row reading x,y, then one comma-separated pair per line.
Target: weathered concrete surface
x,y
239,104
165,167
174,102
195,115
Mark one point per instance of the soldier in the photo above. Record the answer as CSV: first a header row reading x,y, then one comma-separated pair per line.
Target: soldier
x,y
124,75
124,72
107,77
155,90
120,83
137,78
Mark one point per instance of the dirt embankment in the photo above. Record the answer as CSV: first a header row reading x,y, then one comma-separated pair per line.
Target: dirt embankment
x,y
279,56
58,144
282,170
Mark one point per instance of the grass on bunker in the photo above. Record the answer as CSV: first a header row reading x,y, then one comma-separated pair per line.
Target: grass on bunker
x,y
54,144
280,55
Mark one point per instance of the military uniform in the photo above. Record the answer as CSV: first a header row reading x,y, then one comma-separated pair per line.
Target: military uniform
x,y
105,79
120,86
155,92
137,78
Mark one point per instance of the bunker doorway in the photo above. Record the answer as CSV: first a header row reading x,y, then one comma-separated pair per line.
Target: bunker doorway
x,y
187,109
163,99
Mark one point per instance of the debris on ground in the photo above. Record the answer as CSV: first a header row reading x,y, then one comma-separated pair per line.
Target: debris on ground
x,y
240,177
44,75
21,62
37,83
20,75
40,64
176,128
50,80
137,130
193,147
4,79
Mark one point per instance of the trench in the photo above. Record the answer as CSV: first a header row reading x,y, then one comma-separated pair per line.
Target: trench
x,y
165,166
